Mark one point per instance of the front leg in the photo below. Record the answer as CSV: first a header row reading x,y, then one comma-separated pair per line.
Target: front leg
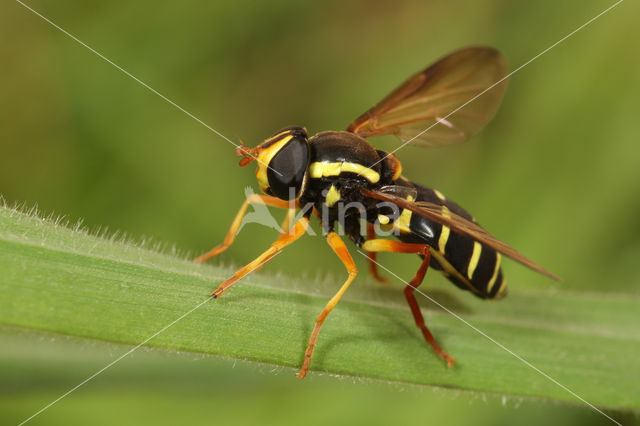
x,y
298,230
235,225
425,251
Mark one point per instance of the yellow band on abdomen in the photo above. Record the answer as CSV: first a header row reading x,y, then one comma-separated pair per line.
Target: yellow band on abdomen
x,y
475,257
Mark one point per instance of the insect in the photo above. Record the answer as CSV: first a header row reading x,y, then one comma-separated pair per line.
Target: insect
x,y
341,178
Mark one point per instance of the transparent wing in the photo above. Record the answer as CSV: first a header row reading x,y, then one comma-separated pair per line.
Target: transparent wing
x,y
437,213
446,98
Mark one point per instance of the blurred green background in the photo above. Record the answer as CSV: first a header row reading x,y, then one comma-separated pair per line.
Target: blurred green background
x,y
556,175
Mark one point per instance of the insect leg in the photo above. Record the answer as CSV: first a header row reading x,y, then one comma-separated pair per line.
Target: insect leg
x,y
235,225
340,249
298,230
424,250
284,227
288,219
372,256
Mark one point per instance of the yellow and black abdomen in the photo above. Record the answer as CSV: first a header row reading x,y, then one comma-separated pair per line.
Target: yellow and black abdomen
x,y
467,263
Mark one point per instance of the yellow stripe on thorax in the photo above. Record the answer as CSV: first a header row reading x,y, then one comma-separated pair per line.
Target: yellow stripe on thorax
x,y
333,196
325,169
384,220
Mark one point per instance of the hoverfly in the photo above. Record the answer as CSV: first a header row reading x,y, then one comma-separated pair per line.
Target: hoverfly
x,y
326,172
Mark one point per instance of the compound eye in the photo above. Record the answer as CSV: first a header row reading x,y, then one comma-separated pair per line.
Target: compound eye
x,y
288,167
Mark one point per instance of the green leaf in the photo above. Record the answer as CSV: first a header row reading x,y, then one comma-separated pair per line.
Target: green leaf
x,y
69,282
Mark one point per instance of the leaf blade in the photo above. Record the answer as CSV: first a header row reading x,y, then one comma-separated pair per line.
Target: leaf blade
x,y
51,281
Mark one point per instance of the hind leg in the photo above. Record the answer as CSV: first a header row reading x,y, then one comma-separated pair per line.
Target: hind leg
x,y
424,250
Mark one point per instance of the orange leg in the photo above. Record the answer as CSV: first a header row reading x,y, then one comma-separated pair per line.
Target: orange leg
x,y
372,256
340,249
235,225
284,228
298,230
288,219
423,249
